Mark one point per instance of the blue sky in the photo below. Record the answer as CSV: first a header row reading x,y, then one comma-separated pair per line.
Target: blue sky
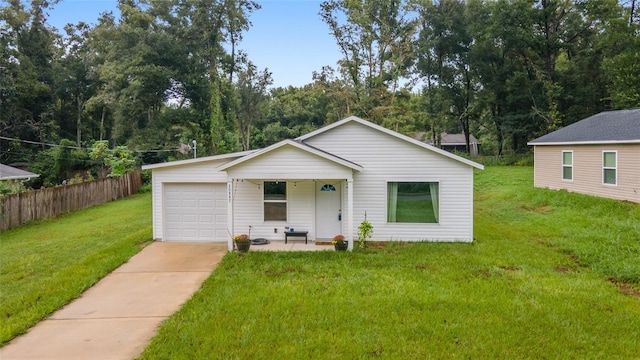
x,y
287,36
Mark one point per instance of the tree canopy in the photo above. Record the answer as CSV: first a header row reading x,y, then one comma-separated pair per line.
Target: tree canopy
x,y
166,72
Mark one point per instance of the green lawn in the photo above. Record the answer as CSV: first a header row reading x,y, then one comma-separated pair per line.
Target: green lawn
x,y
535,284
45,265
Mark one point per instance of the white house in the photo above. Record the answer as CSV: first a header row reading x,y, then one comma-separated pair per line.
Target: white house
x,y
325,182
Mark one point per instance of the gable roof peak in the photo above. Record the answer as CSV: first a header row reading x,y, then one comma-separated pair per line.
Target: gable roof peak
x,y
391,133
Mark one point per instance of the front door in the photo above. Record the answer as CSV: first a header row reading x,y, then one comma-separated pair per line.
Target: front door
x,y
328,210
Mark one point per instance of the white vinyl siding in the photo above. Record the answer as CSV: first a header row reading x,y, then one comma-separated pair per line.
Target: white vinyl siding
x,y
288,163
385,158
610,167
567,165
248,212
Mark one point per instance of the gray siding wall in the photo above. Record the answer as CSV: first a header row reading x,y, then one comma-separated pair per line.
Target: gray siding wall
x,y
587,170
386,158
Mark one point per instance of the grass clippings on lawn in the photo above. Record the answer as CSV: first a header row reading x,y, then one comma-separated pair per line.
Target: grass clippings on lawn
x,y
46,264
535,284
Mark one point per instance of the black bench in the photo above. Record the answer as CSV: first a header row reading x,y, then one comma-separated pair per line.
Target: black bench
x,y
287,234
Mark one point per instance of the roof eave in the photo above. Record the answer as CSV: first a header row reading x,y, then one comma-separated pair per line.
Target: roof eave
x,y
20,177
198,160
602,142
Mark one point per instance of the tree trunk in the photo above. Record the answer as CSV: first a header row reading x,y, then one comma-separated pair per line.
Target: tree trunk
x,y
104,114
79,106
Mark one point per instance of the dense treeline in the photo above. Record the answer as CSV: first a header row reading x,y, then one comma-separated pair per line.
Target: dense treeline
x,y
169,71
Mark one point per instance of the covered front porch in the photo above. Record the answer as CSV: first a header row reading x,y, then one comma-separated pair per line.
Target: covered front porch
x,y
290,212
290,186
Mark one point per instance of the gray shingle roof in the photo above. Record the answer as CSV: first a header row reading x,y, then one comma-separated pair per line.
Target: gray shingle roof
x,y
608,126
10,173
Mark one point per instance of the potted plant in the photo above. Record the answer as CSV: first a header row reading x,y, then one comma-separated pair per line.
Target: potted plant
x,y
339,243
242,242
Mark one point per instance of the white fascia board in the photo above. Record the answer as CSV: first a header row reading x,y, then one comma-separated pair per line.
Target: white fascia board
x,y
20,177
198,160
603,142
395,134
297,145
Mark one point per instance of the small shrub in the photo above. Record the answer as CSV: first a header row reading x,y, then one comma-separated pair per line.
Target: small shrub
x,y
144,189
365,230
146,177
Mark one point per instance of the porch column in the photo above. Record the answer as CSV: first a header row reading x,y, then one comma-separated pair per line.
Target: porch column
x,y
350,214
230,214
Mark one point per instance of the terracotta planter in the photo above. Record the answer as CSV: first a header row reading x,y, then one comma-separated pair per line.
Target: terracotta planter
x,y
243,246
341,247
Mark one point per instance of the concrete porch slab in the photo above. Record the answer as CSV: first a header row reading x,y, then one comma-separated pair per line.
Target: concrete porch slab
x,y
279,245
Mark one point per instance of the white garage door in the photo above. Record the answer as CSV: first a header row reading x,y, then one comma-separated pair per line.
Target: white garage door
x,y
195,212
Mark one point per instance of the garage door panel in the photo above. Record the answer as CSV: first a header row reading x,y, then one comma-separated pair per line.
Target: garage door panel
x,y
205,218
189,218
205,203
188,202
194,212
173,203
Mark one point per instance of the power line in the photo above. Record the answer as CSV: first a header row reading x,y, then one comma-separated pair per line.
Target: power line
x,y
77,147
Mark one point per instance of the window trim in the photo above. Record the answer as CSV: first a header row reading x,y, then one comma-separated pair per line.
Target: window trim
x,y
285,201
615,168
567,166
438,215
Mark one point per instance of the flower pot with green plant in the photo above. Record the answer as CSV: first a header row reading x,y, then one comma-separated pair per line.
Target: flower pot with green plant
x,y
242,241
339,243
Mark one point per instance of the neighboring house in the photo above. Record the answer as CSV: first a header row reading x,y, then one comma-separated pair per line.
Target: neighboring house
x,y
14,176
599,155
457,142
325,182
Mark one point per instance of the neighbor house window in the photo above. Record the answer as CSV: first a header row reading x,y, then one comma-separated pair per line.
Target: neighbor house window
x,y
413,202
275,201
610,167
567,165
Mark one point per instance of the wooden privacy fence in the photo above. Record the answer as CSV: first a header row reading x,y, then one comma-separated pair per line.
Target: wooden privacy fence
x,y
18,209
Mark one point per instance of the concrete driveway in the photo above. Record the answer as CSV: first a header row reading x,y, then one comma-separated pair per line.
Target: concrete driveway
x,y
117,317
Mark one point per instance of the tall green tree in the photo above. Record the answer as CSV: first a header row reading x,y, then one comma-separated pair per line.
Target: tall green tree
x,y
27,71
375,40
252,91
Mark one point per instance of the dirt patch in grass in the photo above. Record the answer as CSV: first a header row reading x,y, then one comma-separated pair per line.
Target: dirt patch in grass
x,y
421,266
510,268
625,288
564,269
538,210
373,245
281,271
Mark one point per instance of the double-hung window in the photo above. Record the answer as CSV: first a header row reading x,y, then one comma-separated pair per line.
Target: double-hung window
x,y
275,201
413,202
610,167
567,165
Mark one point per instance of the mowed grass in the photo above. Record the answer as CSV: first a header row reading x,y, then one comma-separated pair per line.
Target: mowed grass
x,y
45,265
535,284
